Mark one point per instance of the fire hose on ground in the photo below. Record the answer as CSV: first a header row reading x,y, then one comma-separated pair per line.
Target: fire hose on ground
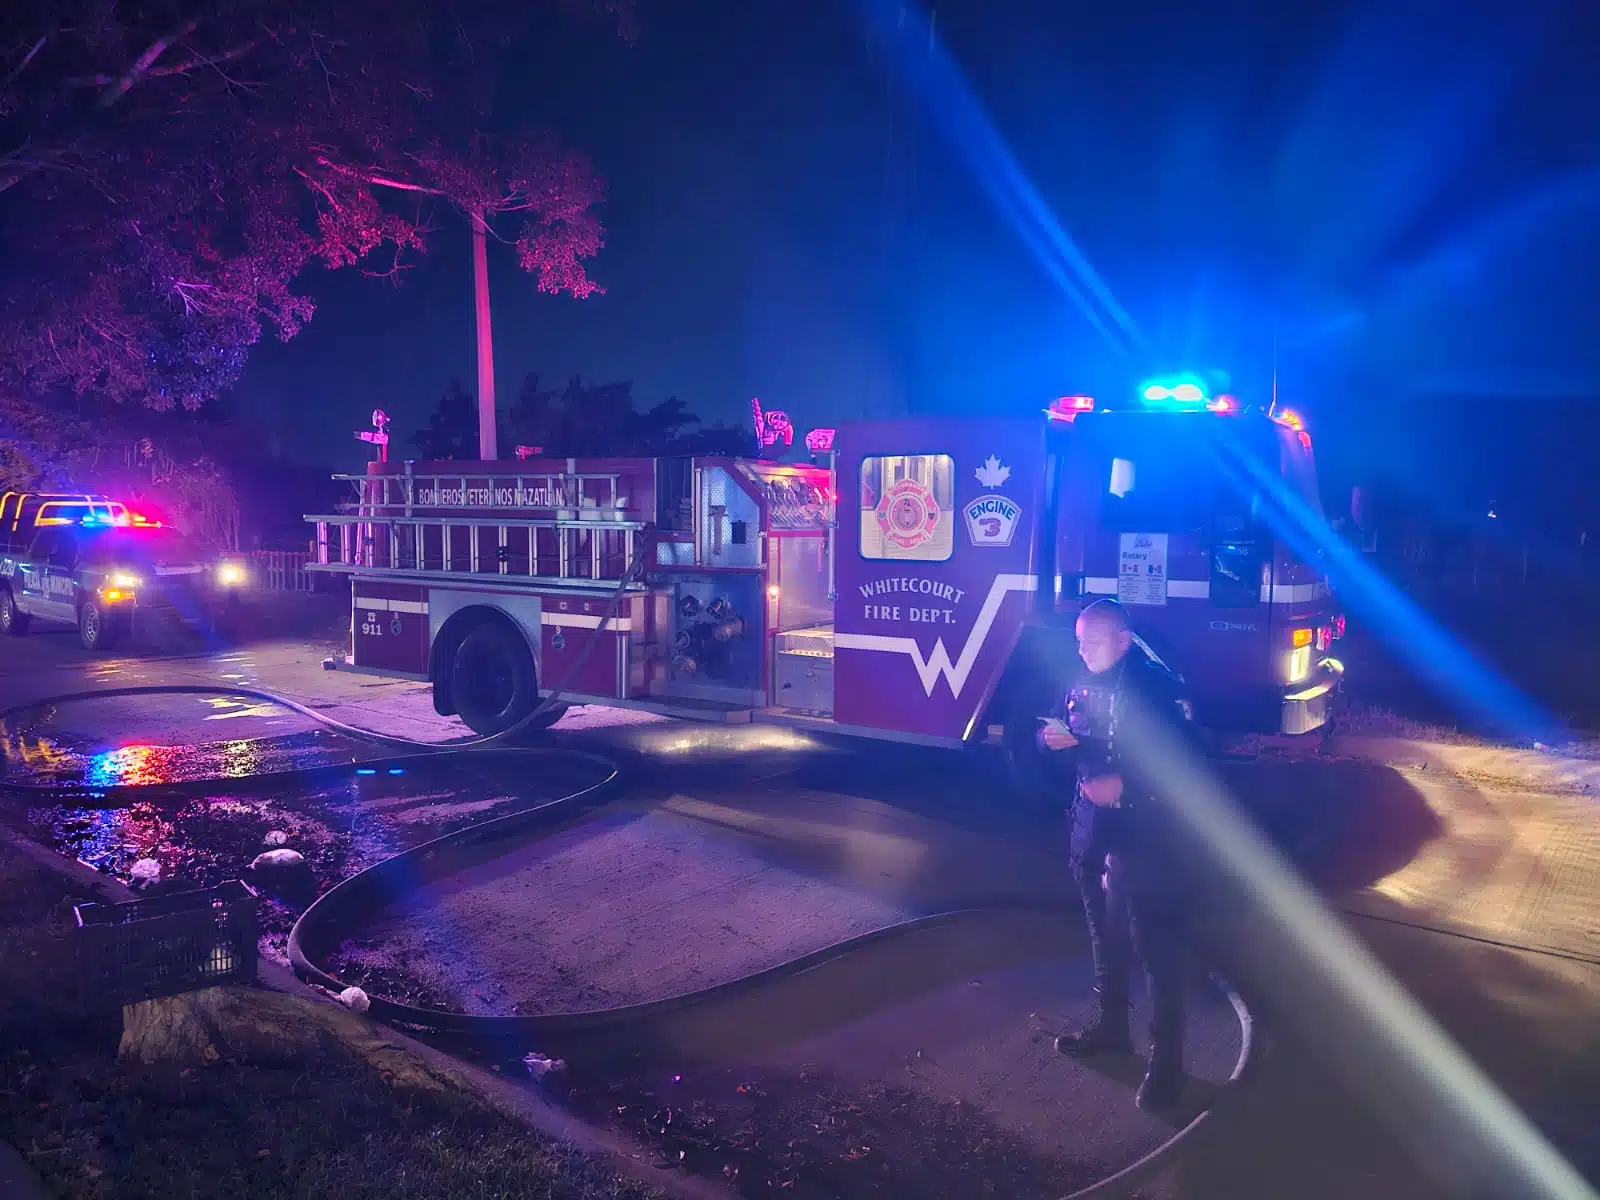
x,y
329,920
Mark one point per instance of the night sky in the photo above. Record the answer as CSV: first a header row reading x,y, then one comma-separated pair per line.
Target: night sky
x,y
1402,197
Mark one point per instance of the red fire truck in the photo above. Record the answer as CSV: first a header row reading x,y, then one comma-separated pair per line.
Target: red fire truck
x,y
916,580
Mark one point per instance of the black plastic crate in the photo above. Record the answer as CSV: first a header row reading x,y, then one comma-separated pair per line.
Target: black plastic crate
x,y
142,949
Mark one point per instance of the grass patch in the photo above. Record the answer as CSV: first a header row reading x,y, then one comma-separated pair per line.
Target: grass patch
x,y
331,1125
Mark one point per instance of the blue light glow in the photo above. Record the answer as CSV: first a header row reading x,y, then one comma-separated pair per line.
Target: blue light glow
x,y
1177,389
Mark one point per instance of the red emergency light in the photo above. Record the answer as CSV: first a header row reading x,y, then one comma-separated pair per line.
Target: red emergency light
x,y
819,441
1223,404
1066,408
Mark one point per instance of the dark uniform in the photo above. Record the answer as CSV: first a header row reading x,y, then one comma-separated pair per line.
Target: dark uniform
x,y
1126,878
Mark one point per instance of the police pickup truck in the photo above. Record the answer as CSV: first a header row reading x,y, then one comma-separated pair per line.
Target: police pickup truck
x,y
111,577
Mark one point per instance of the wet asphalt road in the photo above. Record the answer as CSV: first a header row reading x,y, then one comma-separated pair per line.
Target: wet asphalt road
x,y
1479,896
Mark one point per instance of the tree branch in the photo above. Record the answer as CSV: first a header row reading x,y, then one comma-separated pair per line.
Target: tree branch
x,y
33,52
376,180
125,82
144,63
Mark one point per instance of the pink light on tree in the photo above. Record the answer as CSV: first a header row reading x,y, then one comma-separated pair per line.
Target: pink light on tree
x,y
169,172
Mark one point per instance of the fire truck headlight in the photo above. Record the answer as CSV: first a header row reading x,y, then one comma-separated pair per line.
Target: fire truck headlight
x,y
1299,663
231,575
123,581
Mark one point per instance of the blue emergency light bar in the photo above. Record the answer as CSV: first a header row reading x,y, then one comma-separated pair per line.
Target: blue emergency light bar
x,y
123,521
1179,389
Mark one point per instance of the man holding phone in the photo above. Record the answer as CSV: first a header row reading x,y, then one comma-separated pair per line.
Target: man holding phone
x,y
1116,847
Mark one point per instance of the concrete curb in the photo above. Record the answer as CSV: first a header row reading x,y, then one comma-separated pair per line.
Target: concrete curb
x,y
628,1159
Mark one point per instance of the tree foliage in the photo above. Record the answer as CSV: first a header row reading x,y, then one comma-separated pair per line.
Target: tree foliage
x,y
452,428
581,420
597,420
170,168
159,464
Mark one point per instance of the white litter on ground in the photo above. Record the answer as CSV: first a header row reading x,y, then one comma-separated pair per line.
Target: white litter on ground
x,y
539,1066
356,999
144,872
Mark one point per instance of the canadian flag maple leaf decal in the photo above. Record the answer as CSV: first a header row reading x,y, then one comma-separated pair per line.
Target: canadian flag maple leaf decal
x,y
992,474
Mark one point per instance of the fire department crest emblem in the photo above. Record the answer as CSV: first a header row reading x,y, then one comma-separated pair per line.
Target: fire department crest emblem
x,y
908,514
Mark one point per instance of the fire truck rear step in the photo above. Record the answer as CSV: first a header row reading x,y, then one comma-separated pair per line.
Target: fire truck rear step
x,y
803,670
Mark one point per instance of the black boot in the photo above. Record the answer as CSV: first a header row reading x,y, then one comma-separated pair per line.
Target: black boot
x,y
1164,1079
1162,1086
1106,1032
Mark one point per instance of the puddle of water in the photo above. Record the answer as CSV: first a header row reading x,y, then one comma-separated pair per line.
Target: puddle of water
x,y
340,826
63,760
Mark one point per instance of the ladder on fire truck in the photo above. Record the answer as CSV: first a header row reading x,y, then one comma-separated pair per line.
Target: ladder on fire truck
x,y
588,541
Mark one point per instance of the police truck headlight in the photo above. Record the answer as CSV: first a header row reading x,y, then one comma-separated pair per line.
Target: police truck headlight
x,y
231,575
123,581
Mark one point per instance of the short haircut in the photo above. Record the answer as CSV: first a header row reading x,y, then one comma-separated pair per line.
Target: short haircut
x,y
1109,612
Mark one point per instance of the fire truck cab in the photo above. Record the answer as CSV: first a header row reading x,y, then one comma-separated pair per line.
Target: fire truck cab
x,y
916,580
1190,516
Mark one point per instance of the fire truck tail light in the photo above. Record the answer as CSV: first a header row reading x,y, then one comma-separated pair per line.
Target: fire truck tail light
x,y
1324,637
1300,637
1299,665
1338,627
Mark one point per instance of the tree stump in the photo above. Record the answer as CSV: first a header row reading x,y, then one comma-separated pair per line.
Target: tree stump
x,y
250,1025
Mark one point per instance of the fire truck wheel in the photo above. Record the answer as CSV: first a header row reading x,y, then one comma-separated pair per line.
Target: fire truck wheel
x,y
97,630
492,679
13,621
550,716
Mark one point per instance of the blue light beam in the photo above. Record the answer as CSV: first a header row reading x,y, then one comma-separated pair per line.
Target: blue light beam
x,y
1407,630
959,117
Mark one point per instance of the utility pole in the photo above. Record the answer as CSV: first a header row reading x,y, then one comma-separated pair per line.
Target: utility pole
x,y
488,439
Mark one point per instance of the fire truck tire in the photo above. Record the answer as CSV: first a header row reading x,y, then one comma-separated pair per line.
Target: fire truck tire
x,y
98,630
548,717
13,621
492,679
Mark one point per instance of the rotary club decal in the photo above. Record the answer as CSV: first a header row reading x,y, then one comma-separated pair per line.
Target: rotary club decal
x,y
908,514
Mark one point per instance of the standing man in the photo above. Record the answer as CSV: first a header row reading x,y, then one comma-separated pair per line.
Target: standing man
x,y
1117,848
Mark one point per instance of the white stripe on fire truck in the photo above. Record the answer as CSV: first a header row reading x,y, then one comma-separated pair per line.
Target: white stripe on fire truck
x,y
585,621
378,604
1199,589
938,661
